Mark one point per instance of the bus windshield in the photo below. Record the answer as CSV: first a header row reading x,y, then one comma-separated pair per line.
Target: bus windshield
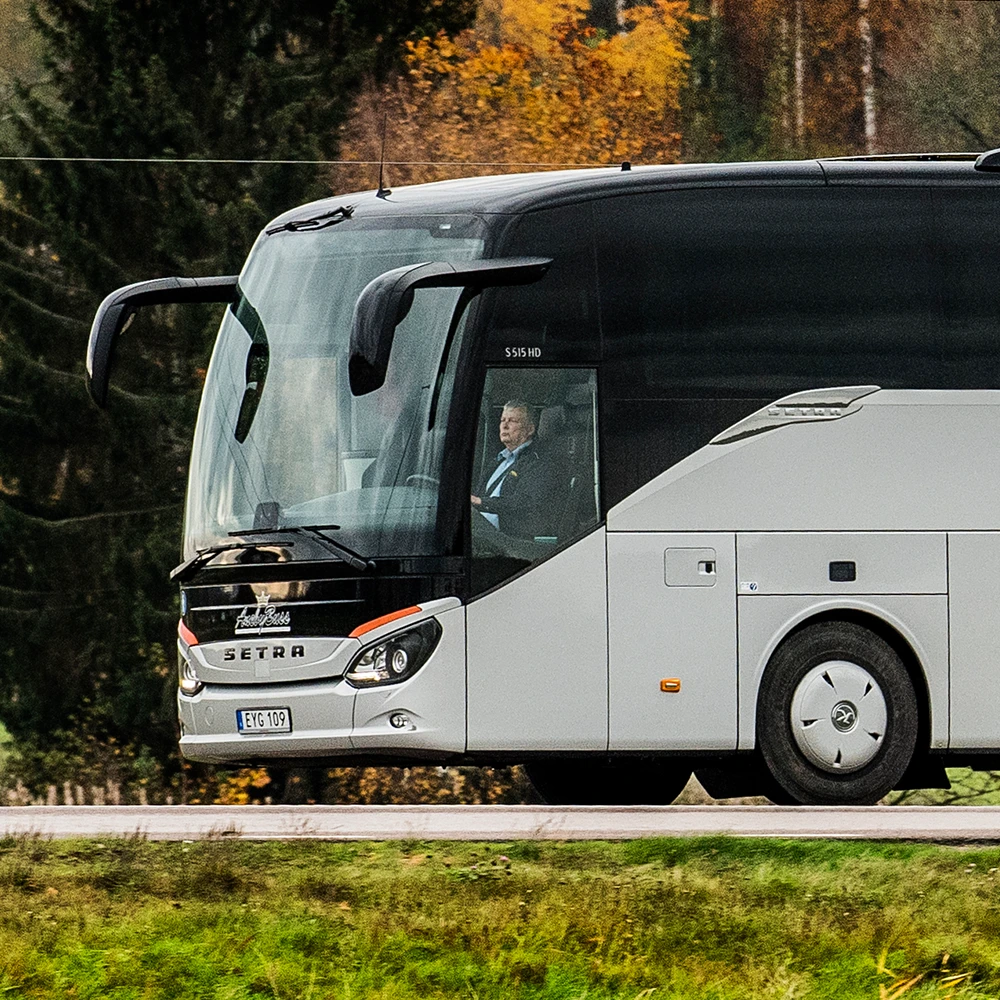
x,y
281,442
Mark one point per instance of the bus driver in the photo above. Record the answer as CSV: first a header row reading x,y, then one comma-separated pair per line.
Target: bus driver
x,y
516,497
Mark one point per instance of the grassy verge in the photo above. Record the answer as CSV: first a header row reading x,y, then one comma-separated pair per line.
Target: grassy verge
x,y
968,788
4,748
707,918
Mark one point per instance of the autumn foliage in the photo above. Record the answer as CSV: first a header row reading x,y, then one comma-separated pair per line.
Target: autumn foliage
x,y
805,66
533,85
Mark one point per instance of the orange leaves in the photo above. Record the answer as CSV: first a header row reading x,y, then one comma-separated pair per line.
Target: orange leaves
x,y
533,24
533,84
812,66
652,52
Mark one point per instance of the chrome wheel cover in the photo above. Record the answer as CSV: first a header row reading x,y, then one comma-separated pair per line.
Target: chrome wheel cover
x,y
839,716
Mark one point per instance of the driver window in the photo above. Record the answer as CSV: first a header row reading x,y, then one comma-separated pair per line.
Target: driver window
x,y
535,484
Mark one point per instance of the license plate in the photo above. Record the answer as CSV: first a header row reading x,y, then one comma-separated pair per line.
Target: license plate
x,y
264,720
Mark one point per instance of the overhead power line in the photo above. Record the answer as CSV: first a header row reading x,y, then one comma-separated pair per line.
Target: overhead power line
x,y
311,163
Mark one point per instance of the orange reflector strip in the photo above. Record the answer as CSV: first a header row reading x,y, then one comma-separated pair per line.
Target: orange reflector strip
x,y
186,634
384,620
670,684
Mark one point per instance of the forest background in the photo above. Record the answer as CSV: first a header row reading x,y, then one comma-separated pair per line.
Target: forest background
x,y
114,115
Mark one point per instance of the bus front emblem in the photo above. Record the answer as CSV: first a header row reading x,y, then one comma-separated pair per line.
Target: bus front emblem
x,y
261,618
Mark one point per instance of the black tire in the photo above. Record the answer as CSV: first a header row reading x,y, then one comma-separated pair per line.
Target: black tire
x,y
580,782
804,762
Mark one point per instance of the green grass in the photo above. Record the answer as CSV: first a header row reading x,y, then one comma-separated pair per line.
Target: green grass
x,y
711,918
968,788
5,743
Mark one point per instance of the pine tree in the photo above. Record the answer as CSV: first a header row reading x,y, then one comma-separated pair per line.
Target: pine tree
x,y
91,501
718,123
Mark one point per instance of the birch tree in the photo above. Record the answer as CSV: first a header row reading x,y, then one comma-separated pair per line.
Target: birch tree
x,y
813,68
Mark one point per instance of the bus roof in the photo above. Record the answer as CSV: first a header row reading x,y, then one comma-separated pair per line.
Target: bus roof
x,y
506,194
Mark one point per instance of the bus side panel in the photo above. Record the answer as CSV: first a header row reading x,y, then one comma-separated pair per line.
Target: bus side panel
x,y
910,461
432,701
842,562
921,620
672,641
974,588
538,656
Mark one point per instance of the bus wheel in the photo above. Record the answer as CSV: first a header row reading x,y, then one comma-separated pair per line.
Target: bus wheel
x,y
836,716
579,782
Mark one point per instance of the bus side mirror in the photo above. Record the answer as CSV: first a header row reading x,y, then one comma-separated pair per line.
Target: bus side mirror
x,y
118,308
384,303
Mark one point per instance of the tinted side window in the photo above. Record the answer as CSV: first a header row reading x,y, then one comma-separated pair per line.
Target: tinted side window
x,y
716,302
556,318
968,227
763,292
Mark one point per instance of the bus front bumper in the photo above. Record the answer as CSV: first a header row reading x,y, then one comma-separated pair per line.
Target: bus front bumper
x,y
320,717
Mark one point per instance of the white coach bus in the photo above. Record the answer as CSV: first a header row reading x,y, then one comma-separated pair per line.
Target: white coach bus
x,y
616,474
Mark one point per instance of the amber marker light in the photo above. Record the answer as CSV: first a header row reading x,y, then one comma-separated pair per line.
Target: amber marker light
x,y
384,620
186,634
671,685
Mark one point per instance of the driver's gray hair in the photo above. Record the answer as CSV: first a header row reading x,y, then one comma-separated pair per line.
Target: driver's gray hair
x,y
520,404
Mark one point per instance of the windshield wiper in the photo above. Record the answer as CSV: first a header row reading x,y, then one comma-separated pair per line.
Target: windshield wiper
x,y
188,568
353,559
316,222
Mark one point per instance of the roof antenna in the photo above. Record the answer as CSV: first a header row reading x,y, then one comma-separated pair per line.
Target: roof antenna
x,y
382,192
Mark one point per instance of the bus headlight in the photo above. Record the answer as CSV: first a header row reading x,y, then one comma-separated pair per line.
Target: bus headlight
x,y
395,658
187,679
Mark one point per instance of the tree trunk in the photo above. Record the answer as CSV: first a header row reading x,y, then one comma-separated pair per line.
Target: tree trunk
x,y
783,62
867,75
800,78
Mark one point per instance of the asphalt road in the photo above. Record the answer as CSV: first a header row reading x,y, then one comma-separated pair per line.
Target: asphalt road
x,y
503,823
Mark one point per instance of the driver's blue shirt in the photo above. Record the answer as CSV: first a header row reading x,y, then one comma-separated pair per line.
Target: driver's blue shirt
x,y
494,485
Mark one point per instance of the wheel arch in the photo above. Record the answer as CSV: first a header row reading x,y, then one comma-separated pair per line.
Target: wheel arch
x,y
887,627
